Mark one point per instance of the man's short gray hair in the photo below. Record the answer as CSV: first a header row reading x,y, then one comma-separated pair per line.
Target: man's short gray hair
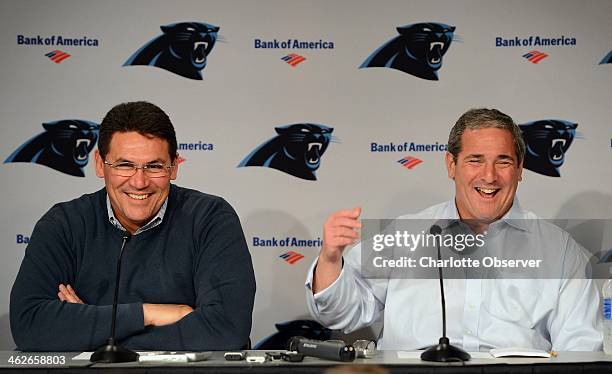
x,y
483,118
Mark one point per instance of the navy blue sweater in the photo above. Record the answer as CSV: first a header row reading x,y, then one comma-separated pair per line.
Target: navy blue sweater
x,y
197,256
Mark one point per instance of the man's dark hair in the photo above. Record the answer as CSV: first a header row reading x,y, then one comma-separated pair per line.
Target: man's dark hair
x,y
139,116
483,118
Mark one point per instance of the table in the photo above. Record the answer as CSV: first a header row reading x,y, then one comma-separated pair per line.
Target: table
x,y
565,362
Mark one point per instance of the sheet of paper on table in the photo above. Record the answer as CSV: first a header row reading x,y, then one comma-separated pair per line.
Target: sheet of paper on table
x,y
519,352
150,355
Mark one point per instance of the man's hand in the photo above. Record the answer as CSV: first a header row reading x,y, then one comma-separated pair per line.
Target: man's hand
x,y
339,231
67,293
164,314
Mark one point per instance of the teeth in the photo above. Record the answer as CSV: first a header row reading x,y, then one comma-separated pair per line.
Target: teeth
x,y
486,190
558,157
555,141
432,45
318,145
86,141
138,197
195,46
79,142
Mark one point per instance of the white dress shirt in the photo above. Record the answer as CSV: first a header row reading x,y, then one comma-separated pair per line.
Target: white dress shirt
x,y
547,314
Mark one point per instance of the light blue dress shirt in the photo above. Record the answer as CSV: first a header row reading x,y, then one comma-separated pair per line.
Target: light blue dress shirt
x,y
159,217
547,314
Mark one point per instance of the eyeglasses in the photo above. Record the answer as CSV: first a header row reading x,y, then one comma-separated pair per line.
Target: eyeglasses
x,y
128,169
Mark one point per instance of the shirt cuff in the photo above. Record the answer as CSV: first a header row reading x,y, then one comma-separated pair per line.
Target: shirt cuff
x,y
324,296
130,320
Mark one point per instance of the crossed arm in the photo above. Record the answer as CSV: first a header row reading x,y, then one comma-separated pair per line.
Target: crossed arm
x,y
154,314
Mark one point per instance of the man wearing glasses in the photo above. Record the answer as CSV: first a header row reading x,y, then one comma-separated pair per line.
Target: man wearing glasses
x,y
187,278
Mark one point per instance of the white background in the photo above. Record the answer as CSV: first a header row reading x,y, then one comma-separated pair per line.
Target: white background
x,y
246,92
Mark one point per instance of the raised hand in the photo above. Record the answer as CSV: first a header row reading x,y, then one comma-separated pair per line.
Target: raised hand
x,y
339,231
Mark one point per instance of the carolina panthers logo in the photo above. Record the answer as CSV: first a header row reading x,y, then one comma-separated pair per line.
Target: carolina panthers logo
x,y
547,142
296,150
607,59
418,50
64,146
182,49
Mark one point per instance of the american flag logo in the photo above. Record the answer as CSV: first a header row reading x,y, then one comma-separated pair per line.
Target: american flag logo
x,y
291,257
535,56
293,59
409,162
57,56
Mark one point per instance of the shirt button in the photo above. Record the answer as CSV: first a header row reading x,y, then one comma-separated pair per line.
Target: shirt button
x,y
468,331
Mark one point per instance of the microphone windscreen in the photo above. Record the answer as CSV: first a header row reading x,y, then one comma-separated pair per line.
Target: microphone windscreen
x,y
435,230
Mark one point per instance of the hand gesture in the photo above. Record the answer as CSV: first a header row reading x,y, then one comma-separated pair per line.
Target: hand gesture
x,y
339,231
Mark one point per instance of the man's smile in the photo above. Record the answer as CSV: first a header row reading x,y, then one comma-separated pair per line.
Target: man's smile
x,y
487,192
139,196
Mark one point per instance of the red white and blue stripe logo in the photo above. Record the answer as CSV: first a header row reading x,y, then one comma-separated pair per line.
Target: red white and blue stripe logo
x,y
57,56
293,59
291,257
535,56
409,162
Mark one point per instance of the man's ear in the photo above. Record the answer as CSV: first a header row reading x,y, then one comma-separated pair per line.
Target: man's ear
x,y
174,170
450,165
99,164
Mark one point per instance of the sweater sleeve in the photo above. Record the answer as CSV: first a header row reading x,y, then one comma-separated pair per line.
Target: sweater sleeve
x,y
224,282
39,320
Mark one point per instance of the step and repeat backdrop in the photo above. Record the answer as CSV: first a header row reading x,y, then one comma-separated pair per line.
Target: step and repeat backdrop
x,y
351,100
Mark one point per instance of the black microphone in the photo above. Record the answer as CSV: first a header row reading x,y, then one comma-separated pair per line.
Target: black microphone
x,y
111,352
336,351
443,351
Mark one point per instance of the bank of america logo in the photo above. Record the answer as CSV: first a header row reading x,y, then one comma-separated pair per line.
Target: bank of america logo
x,y
535,56
293,59
409,162
57,56
291,257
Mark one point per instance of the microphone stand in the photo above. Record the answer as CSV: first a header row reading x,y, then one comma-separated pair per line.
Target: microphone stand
x,y
111,352
443,351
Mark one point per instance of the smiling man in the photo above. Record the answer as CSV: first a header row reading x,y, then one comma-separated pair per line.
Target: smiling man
x,y
485,160
187,277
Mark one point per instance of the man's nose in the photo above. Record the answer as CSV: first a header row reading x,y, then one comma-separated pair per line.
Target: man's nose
x,y
139,180
489,173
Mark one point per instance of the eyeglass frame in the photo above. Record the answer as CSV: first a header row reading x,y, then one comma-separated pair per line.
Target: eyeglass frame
x,y
145,167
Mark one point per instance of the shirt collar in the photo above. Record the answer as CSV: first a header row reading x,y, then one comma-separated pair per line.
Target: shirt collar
x,y
159,217
516,216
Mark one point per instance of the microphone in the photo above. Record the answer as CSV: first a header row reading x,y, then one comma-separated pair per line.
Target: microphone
x,y
443,351
111,352
335,350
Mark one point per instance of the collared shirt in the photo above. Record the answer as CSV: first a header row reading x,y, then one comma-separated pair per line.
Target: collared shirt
x,y
559,314
152,223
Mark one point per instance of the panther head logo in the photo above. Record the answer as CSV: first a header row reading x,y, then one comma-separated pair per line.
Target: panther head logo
x,y
547,141
182,49
296,150
63,146
418,50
